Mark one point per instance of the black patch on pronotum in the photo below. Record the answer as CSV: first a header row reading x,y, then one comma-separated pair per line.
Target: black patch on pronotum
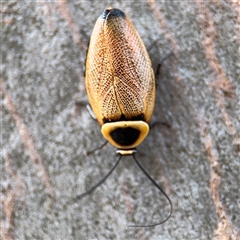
x,y
125,136
112,13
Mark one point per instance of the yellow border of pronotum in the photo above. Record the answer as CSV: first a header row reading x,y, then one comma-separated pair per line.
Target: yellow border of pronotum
x,y
142,126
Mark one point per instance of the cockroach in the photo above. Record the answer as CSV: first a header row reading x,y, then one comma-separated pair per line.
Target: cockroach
x,y
120,86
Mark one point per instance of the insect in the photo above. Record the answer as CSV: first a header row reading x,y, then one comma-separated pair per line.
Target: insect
x,y
120,85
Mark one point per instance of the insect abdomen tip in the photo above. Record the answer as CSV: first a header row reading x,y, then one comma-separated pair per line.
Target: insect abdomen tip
x,y
112,13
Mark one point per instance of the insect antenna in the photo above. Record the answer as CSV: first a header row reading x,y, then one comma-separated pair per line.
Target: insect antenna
x,y
160,189
101,181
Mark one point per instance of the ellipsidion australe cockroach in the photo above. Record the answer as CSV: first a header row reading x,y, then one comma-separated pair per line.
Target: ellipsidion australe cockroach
x,y
120,85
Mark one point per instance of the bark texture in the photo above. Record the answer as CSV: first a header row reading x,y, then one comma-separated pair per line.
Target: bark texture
x,y
45,135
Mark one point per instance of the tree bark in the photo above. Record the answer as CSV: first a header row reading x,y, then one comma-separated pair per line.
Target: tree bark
x,y
194,157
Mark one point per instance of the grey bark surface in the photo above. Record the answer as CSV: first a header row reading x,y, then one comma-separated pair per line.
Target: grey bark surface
x,y
45,135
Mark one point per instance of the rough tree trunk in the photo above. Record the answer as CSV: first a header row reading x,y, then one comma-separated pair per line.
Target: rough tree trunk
x,y
45,135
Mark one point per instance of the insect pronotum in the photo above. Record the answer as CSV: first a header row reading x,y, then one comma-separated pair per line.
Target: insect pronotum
x,y
120,85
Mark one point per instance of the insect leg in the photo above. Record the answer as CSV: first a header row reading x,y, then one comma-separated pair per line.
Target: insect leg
x,y
97,148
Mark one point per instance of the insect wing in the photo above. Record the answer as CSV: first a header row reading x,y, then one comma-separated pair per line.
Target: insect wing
x,y
119,76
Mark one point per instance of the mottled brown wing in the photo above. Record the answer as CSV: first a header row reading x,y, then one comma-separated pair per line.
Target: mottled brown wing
x,y
119,75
